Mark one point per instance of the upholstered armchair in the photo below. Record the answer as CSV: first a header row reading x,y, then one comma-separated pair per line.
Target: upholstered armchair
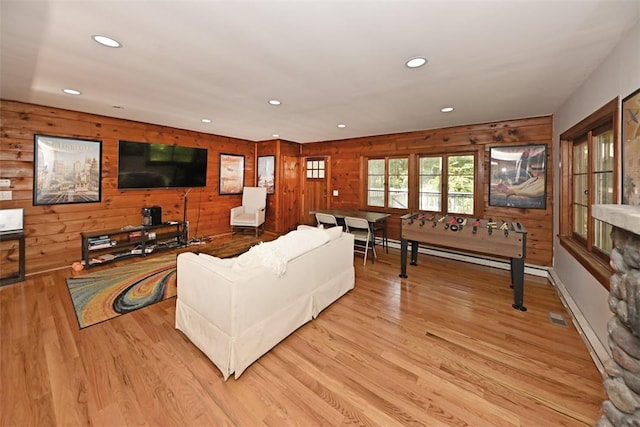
x,y
251,214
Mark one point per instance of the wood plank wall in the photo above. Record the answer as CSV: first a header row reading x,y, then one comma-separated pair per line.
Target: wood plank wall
x,y
347,166
53,232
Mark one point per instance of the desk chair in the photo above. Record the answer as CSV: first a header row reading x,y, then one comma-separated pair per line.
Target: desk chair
x,y
326,219
364,238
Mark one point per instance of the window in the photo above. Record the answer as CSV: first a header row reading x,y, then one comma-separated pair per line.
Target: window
x,y
588,178
456,192
460,173
444,183
315,169
430,184
388,182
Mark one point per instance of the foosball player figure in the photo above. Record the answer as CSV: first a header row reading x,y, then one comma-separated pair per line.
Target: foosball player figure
x,y
450,222
475,226
505,227
490,226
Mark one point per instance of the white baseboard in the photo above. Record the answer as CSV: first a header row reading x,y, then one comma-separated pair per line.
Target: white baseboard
x,y
596,349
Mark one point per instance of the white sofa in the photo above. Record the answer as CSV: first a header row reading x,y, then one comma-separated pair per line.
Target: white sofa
x,y
235,310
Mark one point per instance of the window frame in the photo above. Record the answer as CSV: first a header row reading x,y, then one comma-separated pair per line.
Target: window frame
x,y
444,181
365,201
584,250
414,178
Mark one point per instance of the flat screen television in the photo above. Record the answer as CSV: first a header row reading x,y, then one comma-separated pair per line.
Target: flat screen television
x,y
150,165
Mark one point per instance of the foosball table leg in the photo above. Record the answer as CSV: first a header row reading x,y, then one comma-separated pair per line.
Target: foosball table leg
x,y
403,258
414,252
517,283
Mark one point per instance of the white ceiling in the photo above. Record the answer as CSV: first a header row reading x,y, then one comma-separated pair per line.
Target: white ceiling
x,y
329,62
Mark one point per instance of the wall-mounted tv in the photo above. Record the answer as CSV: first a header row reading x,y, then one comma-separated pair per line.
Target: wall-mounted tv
x,y
149,165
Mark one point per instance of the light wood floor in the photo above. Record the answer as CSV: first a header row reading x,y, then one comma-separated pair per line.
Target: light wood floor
x,y
443,347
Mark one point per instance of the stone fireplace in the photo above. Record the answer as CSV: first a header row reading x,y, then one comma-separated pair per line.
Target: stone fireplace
x,y
622,381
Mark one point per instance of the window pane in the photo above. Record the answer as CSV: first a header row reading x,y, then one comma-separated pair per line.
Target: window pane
x,y
580,220
460,183
580,157
602,236
430,165
399,183
604,188
603,152
375,182
376,167
580,194
430,184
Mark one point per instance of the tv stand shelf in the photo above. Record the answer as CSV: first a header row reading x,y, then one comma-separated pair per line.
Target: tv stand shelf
x,y
100,247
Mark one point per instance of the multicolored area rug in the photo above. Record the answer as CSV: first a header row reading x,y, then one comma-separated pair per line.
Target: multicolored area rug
x,y
109,293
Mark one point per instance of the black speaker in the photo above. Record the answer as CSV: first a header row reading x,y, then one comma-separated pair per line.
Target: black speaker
x,y
156,215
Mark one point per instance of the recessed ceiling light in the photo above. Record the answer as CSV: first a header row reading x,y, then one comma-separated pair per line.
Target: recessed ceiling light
x,y
446,109
106,41
416,62
276,135
206,120
274,102
117,106
342,126
72,91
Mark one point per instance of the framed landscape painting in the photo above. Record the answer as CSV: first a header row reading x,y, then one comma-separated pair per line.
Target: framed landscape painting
x,y
66,170
266,173
231,174
518,176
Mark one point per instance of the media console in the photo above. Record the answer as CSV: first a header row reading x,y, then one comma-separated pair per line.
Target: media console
x,y
484,236
100,247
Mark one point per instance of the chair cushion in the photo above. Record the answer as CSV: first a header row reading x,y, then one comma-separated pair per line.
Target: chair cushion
x,y
245,219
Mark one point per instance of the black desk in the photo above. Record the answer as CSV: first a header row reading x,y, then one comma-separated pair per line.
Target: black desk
x,y
19,236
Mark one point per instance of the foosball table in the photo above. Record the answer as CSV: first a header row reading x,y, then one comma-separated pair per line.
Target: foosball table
x,y
485,236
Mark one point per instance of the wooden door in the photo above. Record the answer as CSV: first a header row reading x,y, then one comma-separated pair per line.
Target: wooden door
x,y
290,206
316,186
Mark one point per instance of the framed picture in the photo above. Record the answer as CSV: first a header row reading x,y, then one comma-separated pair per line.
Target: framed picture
x,y
266,173
231,173
518,176
631,149
66,170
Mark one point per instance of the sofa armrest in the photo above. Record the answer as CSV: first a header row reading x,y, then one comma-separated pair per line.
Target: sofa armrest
x,y
208,289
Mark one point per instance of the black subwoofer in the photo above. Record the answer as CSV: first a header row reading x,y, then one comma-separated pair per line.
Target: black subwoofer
x,y
156,215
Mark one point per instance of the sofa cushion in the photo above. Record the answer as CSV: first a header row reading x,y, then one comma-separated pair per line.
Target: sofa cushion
x,y
298,242
333,232
224,262
276,254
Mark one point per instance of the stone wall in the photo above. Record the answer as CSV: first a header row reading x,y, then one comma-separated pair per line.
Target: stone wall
x,y
622,385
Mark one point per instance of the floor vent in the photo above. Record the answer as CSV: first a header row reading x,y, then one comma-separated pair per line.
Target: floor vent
x,y
557,319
